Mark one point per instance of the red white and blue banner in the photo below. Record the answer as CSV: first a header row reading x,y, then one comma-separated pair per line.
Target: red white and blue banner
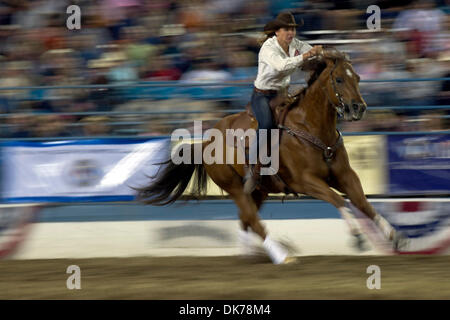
x,y
419,164
15,224
84,170
424,222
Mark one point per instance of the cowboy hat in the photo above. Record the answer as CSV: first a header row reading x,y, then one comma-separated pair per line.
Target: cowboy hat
x,y
283,20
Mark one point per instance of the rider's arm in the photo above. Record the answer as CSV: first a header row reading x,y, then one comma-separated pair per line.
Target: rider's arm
x,y
272,57
279,63
302,47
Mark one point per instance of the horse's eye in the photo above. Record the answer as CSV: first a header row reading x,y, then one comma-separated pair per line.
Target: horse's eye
x,y
339,80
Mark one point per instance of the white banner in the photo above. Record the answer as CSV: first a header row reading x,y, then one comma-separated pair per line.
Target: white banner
x,y
89,170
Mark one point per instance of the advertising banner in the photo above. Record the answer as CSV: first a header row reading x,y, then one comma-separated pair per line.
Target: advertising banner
x,y
419,164
86,170
367,155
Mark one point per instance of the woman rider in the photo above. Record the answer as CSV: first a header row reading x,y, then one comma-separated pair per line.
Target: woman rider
x,y
280,55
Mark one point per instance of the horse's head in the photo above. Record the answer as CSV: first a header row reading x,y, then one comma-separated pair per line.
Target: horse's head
x,y
336,76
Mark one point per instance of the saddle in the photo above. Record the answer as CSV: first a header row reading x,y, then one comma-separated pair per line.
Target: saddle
x,y
279,105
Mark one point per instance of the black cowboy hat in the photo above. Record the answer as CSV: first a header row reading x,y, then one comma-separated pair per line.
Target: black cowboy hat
x,y
283,20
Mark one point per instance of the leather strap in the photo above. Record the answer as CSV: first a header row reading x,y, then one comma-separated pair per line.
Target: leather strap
x,y
328,151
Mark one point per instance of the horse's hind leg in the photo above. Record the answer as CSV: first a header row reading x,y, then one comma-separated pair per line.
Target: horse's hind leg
x,y
228,179
250,219
248,214
245,237
259,197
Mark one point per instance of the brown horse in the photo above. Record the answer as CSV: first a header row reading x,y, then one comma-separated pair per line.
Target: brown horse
x,y
312,156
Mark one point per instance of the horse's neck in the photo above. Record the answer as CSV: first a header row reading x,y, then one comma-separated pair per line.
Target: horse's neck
x,y
315,114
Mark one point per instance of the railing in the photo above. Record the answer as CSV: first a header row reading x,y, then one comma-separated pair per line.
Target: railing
x,y
208,92
192,84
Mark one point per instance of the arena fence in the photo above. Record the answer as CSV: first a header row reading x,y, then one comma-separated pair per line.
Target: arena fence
x,y
128,123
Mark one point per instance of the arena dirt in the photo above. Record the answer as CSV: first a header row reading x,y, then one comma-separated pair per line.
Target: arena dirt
x,y
318,277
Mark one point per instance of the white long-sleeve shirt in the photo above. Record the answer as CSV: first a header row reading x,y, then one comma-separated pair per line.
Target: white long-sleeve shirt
x,y
275,66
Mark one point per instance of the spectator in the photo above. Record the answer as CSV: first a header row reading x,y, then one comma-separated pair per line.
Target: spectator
x,y
14,75
443,97
161,69
96,126
136,49
122,42
19,126
205,69
50,126
425,23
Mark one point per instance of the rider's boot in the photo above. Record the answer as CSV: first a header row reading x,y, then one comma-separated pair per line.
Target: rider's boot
x,y
252,177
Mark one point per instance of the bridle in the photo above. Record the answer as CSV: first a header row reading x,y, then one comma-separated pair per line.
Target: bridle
x,y
340,107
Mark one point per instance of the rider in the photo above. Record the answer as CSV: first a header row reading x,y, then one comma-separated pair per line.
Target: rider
x,y
280,55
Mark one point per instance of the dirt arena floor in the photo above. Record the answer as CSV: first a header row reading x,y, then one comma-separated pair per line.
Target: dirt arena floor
x,y
318,277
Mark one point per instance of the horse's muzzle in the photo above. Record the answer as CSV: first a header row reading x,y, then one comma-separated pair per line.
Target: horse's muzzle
x,y
358,110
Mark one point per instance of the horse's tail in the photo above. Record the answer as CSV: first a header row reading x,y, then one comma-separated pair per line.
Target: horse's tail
x,y
173,181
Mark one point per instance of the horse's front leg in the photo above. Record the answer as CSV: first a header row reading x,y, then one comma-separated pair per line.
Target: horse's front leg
x,y
316,187
348,183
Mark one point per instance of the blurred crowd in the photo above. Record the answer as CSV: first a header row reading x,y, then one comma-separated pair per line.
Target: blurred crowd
x,y
133,42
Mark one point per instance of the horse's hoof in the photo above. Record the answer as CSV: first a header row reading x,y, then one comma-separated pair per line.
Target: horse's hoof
x,y
400,241
290,260
360,243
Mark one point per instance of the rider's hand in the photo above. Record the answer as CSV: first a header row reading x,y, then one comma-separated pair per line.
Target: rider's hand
x,y
314,51
318,49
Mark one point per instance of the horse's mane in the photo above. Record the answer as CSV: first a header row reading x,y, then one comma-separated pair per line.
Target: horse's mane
x,y
318,64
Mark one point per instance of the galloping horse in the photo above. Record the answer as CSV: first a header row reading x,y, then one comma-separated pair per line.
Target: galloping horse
x,y
312,156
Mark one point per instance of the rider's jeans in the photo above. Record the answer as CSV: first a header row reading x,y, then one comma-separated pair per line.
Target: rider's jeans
x,y
263,114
